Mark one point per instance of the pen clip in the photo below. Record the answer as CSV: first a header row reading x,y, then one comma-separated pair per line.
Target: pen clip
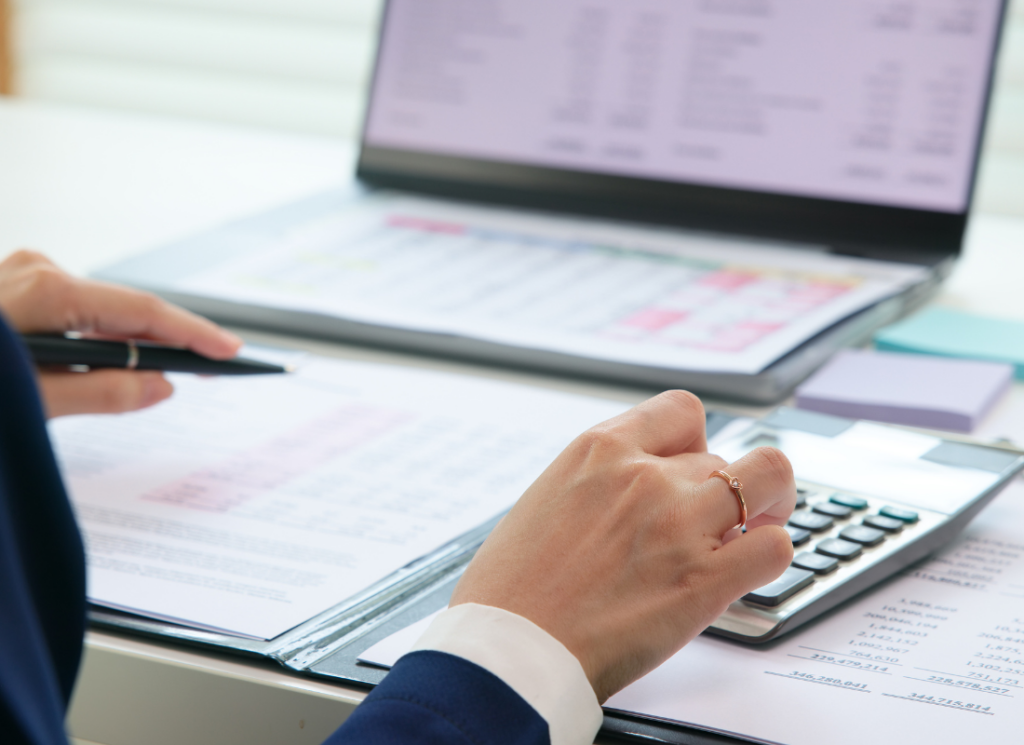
x,y
133,355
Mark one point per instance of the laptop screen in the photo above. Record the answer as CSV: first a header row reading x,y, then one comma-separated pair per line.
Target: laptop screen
x,y
878,102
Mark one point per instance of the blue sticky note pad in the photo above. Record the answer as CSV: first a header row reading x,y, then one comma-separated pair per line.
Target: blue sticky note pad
x,y
931,392
950,333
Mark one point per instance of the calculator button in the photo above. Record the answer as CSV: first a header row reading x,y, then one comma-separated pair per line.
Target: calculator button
x,y
791,582
898,514
801,497
862,534
817,563
798,535
810,521
846,500
832,510
888,524
838,548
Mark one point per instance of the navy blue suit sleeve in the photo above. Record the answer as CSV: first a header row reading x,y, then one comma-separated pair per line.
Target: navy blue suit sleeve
x,y
42,566
430,698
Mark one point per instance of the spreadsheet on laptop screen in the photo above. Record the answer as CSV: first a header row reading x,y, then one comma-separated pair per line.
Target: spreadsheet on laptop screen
x,y
857,100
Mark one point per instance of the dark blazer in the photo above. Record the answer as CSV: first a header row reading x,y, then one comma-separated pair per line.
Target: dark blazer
x,y
429,697
439,699
42,566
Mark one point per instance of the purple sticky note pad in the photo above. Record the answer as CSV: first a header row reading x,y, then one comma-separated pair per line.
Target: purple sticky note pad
x,y
912,389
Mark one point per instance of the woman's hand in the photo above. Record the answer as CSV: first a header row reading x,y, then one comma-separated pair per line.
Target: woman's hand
x,y
623,549
38,298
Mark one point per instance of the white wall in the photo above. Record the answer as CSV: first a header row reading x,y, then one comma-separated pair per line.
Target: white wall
x,y
1001,185
303,65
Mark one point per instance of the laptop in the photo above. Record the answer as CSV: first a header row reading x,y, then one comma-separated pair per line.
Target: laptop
x,y
709,194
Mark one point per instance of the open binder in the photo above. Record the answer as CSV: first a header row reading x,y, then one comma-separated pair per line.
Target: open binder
x,y
330,645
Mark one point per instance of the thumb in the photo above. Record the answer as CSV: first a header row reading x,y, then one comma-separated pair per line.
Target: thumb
x,y
101,391
752,560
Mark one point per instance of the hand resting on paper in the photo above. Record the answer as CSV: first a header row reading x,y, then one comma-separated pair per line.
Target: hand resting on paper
x,y
624,548
37,298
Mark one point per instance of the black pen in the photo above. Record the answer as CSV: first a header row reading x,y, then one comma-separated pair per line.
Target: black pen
x,y
134,355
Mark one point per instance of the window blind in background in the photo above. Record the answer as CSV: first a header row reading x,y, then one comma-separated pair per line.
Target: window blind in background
x,y
291,64
304,65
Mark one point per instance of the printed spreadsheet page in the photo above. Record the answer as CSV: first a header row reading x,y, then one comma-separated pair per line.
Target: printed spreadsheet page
x,y
936,655
249,505
596,289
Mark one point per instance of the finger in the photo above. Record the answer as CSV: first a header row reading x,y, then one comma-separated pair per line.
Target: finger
x,y
668,424
25,258
110,309
696,467
101,391
63,303
754,559
768,489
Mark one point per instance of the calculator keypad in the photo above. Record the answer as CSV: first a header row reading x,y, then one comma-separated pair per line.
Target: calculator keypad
x,y
811,521
862,534
843,527
838,511
801,497
848,500
791,582
799,536
896,513
837,548
815,562
888,524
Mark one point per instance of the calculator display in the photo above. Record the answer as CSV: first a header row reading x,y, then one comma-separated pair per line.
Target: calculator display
x,y
872,459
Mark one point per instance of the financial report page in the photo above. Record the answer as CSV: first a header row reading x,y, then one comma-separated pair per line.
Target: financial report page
x,y
879,102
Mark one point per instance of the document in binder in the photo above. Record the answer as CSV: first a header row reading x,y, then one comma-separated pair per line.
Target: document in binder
x,y
249,506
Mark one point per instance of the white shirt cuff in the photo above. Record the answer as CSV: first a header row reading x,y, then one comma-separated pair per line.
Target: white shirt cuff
x,y
528,660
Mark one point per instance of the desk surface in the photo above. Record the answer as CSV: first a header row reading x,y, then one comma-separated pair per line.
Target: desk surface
x,y
89,188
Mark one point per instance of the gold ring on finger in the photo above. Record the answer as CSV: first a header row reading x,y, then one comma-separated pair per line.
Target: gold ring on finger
x,y
737,489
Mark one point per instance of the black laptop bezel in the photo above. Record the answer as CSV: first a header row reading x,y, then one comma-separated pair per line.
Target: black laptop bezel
x,y
853,228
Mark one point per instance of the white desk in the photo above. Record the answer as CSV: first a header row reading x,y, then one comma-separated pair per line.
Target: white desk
x,y
89,188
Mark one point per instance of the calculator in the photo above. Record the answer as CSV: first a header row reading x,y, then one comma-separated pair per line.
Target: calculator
x,y
873,499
